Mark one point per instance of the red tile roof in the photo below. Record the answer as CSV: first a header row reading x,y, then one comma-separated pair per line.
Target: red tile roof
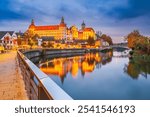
x,y
52,27
89,29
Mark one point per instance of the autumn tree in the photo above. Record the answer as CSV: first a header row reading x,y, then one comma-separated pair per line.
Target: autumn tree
x,y
91,41
133,38
98,34
138,41
19,40
107,39
30,38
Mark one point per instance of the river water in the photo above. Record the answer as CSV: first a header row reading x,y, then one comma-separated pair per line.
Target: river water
x,y
100,76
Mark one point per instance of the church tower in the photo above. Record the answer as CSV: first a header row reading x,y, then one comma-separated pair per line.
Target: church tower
x,y
62,20
32,22
63,29
83,25
32,26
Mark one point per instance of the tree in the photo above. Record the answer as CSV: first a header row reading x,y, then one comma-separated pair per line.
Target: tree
x,y
132,38
19,41
98,34
138,42
30,38
91,41
107,39
50,45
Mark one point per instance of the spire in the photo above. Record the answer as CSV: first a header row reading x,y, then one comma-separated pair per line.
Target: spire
x,y
83,25
32,22
31,26
62,20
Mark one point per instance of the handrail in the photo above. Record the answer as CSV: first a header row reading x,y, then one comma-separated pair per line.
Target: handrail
x,y
38,84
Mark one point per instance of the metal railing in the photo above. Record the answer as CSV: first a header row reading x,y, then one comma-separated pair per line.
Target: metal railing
x,y
38,85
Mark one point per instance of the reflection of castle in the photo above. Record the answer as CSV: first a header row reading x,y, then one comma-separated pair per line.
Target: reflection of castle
x,y
62,66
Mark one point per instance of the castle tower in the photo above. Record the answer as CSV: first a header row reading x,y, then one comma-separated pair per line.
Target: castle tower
x,y
32,26
63,29
62,20
83,25
32,22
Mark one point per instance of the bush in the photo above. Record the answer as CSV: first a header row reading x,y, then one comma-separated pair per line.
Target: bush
x,y
131,52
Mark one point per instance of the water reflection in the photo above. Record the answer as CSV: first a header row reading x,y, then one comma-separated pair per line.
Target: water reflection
x,y
76,65
100,76
137,67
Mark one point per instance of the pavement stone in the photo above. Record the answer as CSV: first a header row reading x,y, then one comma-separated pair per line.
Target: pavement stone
x,y
11,82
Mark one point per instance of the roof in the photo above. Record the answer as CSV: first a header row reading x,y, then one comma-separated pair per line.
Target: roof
x,y
80,31
62,24
89,29
11,32
52,27
3,33
80,41
86,29
47,38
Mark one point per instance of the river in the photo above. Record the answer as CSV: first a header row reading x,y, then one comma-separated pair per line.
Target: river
x,y
100,76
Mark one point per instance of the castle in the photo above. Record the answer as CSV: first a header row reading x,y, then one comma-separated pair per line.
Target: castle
x,y
61,31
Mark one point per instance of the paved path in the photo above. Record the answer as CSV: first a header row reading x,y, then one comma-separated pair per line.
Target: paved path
x,y
11,82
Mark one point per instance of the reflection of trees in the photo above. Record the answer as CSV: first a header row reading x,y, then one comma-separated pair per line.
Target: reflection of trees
x,y
137,67
133,70
106,60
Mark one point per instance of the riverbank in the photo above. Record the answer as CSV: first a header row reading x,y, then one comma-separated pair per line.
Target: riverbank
x,y
46,52
11,82
139,55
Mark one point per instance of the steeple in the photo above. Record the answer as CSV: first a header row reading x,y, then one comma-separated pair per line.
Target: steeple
x,y
32,22
83,25
62,20
32,26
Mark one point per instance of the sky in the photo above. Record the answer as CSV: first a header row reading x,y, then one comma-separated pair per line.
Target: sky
x,y
116,18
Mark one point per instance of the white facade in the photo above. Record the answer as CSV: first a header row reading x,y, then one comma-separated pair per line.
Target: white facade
x,y
39,42
9,40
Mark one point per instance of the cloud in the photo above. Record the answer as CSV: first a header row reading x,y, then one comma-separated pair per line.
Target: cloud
x,y
134,9
114,17
7,12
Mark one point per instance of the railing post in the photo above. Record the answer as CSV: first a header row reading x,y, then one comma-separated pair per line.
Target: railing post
x,y
42,94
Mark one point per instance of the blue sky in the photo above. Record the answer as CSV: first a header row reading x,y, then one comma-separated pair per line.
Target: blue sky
x,y
114,17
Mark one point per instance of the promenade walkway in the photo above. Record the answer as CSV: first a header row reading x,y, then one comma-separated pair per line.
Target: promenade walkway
x,y
11,83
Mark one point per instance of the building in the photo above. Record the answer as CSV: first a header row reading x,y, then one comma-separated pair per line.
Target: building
x,y
8,39
57,31
82,34
61,31
46,41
